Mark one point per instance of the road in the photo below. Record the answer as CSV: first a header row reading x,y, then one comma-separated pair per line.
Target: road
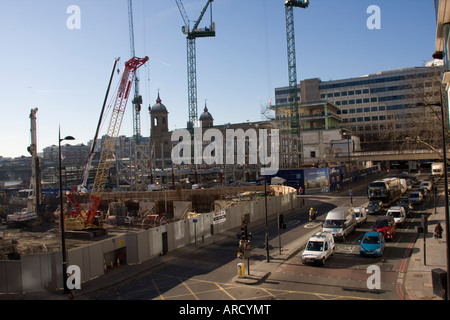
x,y
207,273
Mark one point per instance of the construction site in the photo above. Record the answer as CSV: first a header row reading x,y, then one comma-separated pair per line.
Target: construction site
x,y
95,226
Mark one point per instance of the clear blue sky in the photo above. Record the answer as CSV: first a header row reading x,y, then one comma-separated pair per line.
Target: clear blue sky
x,y
64,73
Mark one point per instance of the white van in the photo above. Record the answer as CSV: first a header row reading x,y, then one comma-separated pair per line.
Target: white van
x,y
398,213
340,222
319,248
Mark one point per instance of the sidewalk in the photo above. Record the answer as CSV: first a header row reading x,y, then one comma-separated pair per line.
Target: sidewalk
x,y
418,280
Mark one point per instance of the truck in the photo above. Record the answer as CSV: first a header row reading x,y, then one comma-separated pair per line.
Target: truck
x,y
437,168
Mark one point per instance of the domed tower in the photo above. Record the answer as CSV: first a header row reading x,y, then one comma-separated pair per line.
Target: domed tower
x,y
206,119
158,115
159,134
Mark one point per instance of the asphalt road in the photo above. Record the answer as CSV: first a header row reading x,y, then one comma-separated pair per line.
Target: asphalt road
x,y
207,273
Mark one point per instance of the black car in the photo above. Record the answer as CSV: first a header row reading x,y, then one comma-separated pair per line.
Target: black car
x,y
375,207
407,204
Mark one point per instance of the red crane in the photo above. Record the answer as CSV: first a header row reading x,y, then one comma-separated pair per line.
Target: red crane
x,y
84,219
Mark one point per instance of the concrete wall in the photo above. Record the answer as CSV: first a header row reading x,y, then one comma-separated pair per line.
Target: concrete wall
x,y
44,270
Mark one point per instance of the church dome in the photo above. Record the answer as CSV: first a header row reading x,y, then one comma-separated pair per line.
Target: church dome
x,y
158,106
206,115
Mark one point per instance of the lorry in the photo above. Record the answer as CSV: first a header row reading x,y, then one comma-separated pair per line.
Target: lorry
x,y
437,168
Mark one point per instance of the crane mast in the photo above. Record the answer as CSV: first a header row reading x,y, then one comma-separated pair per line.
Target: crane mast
x,y
137,99
191,35
295,152
81,219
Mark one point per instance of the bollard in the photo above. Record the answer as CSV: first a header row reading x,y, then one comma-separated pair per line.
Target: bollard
x,y
241,270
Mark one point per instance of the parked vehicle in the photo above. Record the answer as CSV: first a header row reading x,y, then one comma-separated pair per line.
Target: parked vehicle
x,y
398,213
416,197
386,226
319,248
360,214
372,244
375,207
340,222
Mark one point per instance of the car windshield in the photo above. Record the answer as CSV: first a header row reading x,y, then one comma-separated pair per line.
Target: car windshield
x,y
371,240
333,223
314,246
394,214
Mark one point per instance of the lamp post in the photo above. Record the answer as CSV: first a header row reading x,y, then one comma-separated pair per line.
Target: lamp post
x,y
447,229
349,137
61,217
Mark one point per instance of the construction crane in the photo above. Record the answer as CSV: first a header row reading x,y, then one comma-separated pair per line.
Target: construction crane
x,y
83,186
137,99
84,220
191,35
295,125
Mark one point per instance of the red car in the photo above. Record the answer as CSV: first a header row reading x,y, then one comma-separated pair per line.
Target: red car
x,y
386,226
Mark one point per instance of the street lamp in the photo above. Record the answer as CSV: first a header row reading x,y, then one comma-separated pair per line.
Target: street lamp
x,y
61,216
348,136
447,228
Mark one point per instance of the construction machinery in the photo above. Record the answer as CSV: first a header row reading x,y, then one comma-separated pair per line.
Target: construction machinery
x,y
34,208
88,221
191,35
137,99
295,151
83,186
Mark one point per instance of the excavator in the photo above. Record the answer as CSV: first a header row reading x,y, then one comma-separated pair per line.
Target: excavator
x,y
87,222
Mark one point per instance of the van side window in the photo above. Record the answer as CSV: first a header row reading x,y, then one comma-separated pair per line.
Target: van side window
x,y
326,246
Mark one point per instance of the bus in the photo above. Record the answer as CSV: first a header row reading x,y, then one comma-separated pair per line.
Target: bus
x,y
387,190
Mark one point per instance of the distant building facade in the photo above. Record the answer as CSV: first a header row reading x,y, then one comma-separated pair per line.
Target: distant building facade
x,y
372,105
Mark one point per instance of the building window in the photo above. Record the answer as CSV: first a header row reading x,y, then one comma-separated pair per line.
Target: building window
x,y
313,154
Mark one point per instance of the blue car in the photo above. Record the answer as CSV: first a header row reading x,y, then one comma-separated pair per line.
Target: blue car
x,y
372,244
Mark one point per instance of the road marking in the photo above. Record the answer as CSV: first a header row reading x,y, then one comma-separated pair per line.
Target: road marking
x,y
157,290
189,289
